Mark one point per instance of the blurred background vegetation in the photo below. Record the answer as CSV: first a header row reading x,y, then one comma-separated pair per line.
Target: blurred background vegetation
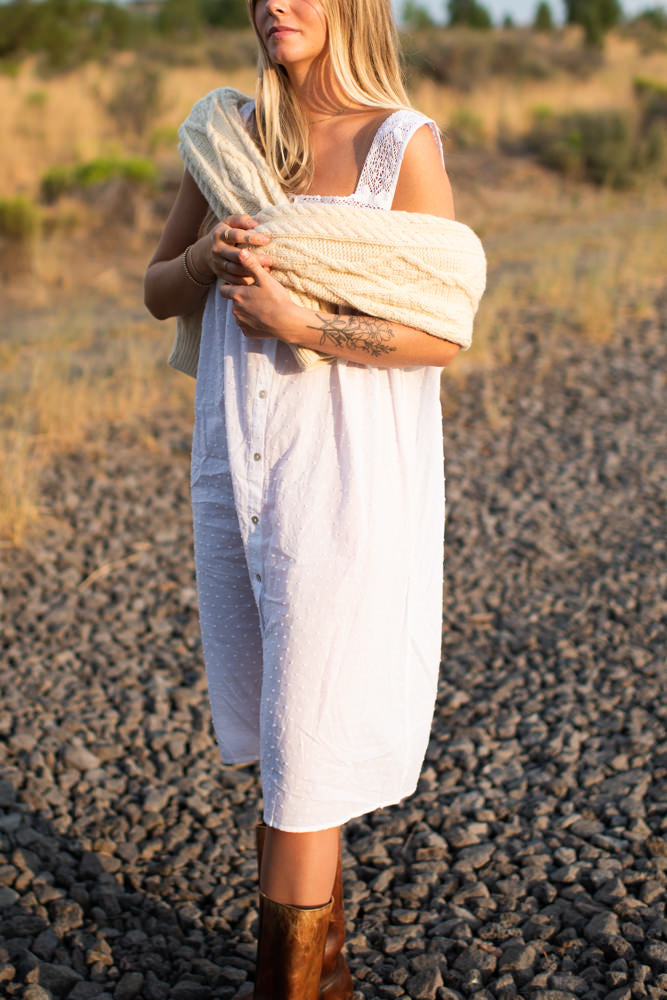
x,y
67,32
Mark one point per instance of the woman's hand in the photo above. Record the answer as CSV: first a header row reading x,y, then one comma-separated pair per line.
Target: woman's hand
x,y
264,309
221,248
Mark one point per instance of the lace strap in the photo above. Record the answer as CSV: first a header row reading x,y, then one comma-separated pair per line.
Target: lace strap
x,y
380,171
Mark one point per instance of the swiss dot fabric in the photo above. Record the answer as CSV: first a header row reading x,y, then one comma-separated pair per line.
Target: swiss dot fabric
x,y
318,507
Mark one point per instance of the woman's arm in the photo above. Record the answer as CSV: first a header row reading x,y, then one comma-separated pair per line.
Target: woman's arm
x,y
168,291
265,309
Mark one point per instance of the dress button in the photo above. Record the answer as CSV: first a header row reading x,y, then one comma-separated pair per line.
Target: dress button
x,y
258,577
262,393
254,519
257,456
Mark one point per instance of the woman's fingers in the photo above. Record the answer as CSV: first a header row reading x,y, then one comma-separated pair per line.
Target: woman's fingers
x,y
225,236
253,266
247,238
241,273
241,221
228,265
238,229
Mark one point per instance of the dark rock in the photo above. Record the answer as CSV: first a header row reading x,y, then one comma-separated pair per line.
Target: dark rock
x,y
129,986
67,915
58,979
424,985
186,990
45,944
655,953
86,991
7,897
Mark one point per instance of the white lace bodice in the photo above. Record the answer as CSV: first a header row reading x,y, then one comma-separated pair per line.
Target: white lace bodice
x,y
379,174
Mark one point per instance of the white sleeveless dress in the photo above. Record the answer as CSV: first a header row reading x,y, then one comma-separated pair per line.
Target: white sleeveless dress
x,y
318,508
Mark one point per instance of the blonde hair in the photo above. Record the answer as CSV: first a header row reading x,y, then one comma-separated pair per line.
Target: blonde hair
x,y
364,54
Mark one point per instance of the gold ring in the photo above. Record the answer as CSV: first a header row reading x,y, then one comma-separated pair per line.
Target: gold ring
x,y
226,236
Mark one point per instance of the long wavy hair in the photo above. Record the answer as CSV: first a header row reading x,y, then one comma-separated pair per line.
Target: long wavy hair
x,y
365,58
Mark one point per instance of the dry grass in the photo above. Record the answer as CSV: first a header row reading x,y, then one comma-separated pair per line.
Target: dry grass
x,y
595,260
65,379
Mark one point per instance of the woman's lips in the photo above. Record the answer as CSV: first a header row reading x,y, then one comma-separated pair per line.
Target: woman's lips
x,y
277,32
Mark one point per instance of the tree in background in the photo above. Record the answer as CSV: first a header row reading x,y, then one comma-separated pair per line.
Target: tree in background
x,y
186,17
655,17
67,32
226,13
183,18
469,13
543,17
595,16
508,21
416,17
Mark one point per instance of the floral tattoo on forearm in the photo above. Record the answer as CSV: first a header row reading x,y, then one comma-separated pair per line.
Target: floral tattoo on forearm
x,y
361,333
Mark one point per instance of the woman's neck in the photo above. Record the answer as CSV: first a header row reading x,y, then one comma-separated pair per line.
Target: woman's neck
x,y
318,93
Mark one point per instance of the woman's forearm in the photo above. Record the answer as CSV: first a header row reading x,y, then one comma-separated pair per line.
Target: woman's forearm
x,y
367,340
168,291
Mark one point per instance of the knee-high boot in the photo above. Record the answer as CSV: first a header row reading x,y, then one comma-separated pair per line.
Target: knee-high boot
x,y
290,947
335,978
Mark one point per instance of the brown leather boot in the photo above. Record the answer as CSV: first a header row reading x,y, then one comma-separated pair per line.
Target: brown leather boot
x,y
336,980
290,946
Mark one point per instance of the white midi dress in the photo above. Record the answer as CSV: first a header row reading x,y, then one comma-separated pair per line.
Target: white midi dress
x,y
318,509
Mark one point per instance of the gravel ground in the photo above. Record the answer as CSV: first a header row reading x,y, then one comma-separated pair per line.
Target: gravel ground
x,y
532,860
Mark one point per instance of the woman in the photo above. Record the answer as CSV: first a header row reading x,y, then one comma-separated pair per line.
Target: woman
x,y
317,495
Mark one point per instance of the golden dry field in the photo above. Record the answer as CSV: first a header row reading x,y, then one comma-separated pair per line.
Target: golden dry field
x,y
78,350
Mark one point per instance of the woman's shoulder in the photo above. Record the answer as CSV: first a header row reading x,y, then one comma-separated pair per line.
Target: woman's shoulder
x,y
401,130
422,184
401,126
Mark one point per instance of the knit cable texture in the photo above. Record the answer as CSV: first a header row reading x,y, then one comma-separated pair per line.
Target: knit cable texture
x,y
419,270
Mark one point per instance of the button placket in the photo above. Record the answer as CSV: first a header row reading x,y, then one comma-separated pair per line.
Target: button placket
x,y
256,467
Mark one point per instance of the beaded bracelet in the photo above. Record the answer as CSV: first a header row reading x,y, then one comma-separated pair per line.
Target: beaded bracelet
x,y
189,269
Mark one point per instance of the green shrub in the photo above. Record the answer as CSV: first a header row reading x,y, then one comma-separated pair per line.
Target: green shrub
x,y
139,171
605,147
163,136
55,182
61,180
101,170
36,98
466,129
19,218
10,67
652,98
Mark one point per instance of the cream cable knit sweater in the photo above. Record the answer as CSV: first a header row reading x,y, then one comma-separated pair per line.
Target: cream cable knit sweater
x,y
419,270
